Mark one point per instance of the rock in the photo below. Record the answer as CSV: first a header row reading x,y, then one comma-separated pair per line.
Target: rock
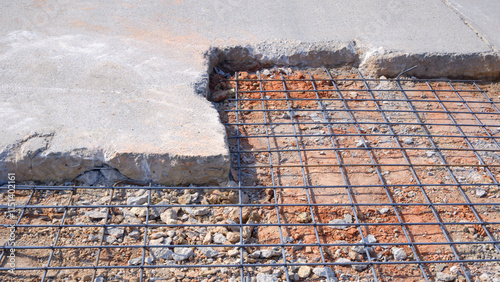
x,y
96,214
408,140
219,238
100,279
135,234
370,239
208,252
110,239
163,253
481,192
158,241
358,249
135,261
93,238
322,272
455,269
338,221
262,277
157,211
207,239
255,254
115,231
440,267
233,252
140,212
484,277
149,260
219,96
359,267
247,230
266,72
169,216
89,178
157,235
442,276
135,201
181,254
399,253
267,253
343,261
233,237
383,210
359,143
188,198
196,211
304,271
304,217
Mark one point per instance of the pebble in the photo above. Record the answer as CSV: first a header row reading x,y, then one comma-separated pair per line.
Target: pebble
x,y
157,235
163,253
181,254
219,238
383,210
338,221
93,238
157,211
343,261
480,192
208,252
267,253
455,269
266,72
188,198
441,276
196,211
140,212
399,254
110,239
408,141
96,214
370,239
440,267
262,277
115,231
135,201
135,261
484,277
304,271
322,272
233,252
304,217
135,234
99,279
233,237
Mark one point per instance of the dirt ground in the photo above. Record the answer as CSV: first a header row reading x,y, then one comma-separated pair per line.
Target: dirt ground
x,y
324,161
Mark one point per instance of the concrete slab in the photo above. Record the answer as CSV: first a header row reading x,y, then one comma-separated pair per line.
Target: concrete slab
x,y
482,16
120,84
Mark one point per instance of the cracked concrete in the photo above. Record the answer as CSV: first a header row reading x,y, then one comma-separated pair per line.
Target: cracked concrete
x,y
118,86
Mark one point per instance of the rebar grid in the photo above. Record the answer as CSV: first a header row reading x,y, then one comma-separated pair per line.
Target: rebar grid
x,y
367,179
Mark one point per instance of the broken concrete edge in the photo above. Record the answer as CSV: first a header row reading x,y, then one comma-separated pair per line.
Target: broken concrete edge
x,y
29,157
371,60
36,165
31,160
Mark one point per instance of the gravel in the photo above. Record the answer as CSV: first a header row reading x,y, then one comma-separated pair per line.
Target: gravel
x,y
134,201
399,254
304,271
208,252
262,277
219,238
181,254
442,276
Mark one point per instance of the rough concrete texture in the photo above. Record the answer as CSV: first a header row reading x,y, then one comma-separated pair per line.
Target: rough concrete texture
x,y
116,84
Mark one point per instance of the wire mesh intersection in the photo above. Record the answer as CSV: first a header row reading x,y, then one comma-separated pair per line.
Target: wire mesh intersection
x,y
336,176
